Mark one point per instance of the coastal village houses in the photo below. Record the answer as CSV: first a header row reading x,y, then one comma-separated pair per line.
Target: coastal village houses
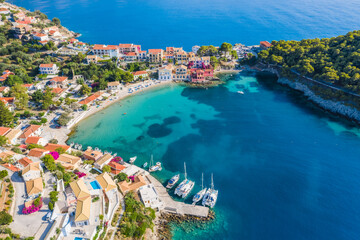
x,y
142,74
83,203
106,50
155,55
165,73
49,69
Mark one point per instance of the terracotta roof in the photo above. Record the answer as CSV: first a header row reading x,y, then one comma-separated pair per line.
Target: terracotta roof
x,y
68,158
82,212
116,168
40,35
51,147
265,43
104,159
4,130
91,98
32,140
59,79
131,54
111,84
7,100
3,88
138,182
29,130
105,47
35,166
47,65
126,45
155,51
106,182
57,90
139,73
5,154
34,186
10,167
13,133
37,152
28,85
25,161
80,190
92,154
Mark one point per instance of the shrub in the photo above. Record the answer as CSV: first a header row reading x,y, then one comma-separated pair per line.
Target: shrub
x,y
35,206
5,218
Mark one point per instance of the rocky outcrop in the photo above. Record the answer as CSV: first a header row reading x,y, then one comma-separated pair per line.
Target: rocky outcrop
x,y
332,106
164,229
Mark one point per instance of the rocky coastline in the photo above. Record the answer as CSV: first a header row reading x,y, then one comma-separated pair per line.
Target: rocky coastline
x,y
329,105
166,219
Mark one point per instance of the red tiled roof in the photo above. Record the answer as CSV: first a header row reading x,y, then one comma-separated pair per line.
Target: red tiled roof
x,y
265,43
105,47
32,140
3,89
57,90
73,40
40,35
28,85
126,45
116,168
47,65
25,161
4,130
36,152
155,51
91,98
131,54
59,79
51,147
7,100
139,73
10,167
29,130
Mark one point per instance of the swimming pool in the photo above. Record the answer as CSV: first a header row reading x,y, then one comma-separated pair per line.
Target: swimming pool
x,y
77,238
95,185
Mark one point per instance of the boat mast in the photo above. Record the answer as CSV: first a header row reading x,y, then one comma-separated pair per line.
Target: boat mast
x,y
185,170
202,181
212,182
151,161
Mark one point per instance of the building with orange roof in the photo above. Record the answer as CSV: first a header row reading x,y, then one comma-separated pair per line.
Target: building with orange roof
x,y
34,187
3,90
52,147
8,102
32,171
4,131
37,153
6,154
109,50
142,55
57,91
90,154
91,98
165,73
155,55
4,11
59,82
142,74
138,182
69,161
116,168
5,75
129,47
36,140
92,59
131,56
265,45
30,131
23,162
13,136
50,69
22,28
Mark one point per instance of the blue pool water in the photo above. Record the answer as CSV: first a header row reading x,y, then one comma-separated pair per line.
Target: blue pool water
x,y
77,238
95,185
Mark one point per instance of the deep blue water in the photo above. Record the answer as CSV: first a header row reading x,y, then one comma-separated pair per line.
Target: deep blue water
x,y
284,168
161,23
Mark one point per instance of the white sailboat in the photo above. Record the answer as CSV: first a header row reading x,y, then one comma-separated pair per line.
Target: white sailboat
x,y
201,193
182,184
211,195
154,168
185,186
133,159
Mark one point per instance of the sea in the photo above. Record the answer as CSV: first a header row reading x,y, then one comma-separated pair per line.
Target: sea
x,y
284,168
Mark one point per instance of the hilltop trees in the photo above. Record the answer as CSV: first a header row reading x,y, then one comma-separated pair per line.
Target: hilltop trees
x,y
19,92
334,60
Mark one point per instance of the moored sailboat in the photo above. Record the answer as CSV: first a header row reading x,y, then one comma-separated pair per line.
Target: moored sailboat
x,y
154,168
211,195
201,193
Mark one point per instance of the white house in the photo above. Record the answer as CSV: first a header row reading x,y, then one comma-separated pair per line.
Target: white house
x,y
142,55
113,86
40,37
50,69
150,197
104,160
109,50
195,48
142,74
165,73
32,171
4,11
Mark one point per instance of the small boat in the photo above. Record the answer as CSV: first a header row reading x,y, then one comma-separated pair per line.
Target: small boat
x,y
173,181
211,195
154,168
133,159
181,185
201,193
241,92
187,189
145,165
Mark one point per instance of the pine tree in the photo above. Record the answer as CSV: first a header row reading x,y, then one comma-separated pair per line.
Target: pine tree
x,y
6,117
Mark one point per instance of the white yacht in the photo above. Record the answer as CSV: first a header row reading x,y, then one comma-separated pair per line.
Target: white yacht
x,y
211,195
173,181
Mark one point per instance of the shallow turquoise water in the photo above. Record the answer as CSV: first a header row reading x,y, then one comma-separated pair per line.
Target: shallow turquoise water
x,y
284,168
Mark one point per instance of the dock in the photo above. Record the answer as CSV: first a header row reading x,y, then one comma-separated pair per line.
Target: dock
x,y
172,206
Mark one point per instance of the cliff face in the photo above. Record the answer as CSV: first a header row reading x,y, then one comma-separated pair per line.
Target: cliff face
x,y
332,106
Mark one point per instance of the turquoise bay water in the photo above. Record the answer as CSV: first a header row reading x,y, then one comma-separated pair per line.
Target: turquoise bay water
x,y
161,23
284,168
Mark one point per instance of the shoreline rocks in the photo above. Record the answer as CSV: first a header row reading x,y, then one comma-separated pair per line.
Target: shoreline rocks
x,y
166,219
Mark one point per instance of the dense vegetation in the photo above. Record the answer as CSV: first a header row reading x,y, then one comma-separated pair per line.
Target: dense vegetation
x,y
333,60
136,218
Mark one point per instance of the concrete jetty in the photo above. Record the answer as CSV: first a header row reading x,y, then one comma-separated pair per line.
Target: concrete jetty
x,y
172,206
169,204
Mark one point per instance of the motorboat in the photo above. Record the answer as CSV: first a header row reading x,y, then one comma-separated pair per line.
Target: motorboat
x,y
173,181
133,159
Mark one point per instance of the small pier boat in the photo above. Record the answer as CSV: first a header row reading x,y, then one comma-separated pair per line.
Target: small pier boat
x,y
133,159
185,186
241,92
187,189
201,193
173,181
145,165
211,195
156,167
